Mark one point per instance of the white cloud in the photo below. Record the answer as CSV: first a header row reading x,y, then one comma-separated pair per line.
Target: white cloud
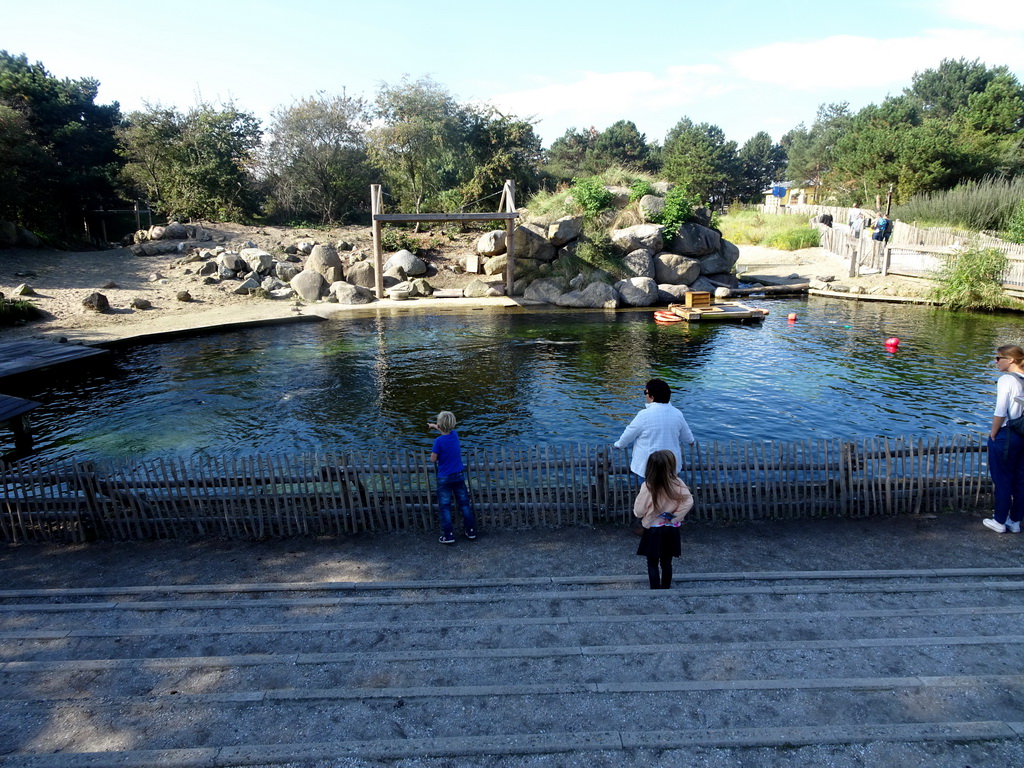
x,y
844,60
604,97
998,14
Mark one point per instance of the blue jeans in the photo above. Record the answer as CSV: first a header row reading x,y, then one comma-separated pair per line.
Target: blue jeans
x,y
1006,465
447,485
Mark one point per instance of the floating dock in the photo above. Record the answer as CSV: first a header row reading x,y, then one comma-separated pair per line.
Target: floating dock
x,y
699,307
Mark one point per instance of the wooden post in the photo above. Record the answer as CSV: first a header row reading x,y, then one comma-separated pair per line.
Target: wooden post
x,y
508,195
378,249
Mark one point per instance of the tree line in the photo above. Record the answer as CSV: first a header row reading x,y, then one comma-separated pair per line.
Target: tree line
x,y
62,155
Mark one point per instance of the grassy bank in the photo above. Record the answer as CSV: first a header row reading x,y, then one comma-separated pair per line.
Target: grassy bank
x,y
786,233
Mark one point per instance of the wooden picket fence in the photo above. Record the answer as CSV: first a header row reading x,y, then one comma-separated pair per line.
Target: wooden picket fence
x,y
333,494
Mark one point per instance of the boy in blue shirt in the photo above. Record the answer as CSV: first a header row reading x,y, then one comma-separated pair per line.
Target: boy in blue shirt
x,y
447,457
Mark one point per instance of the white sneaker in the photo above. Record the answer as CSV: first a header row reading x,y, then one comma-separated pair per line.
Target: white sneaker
x,y
992,525
1012,527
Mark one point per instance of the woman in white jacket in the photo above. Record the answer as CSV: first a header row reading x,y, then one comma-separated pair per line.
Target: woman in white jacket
x,y
661,506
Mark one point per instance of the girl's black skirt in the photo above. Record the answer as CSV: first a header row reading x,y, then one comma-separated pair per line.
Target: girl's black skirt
x,y
659,542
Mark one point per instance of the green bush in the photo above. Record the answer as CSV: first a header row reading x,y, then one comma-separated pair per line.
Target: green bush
x,y
17,311
679,208
638,189
1015,226
394,239
972,280
590,196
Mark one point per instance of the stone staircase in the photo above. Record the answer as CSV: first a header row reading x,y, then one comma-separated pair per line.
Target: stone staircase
x,y
531,671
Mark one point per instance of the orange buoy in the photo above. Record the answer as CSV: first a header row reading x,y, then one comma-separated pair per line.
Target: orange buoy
x,y
792,317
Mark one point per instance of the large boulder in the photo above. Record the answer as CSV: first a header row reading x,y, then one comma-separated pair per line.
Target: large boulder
x,y
531,244
731,253
564,230
346,293
713,263
639,262
408,261
662,187
257,260
324,260
478,289
638,291
620,196
546,290
8,234
175,231
675,269
230,260
362,273
651,207
594,296
309,285
695,240
285,271
491,243
496,266
671,294
97,302
28,239
724,278
647,236
703,284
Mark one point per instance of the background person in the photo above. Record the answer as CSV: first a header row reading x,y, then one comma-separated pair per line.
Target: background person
x,y
1005,446
659,426
661,505
447,457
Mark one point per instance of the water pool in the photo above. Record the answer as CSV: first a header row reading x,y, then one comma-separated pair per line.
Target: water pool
x,y
531,377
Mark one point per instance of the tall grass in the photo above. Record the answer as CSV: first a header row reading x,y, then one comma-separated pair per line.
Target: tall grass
x,y
985,205
787,233
972,280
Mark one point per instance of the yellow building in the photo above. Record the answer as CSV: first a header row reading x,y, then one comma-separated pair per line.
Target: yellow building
x,y
790,194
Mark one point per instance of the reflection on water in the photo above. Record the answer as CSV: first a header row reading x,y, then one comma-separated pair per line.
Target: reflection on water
x,y
519,378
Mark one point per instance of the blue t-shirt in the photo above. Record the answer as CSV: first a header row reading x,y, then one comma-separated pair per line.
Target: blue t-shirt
x,y
449,454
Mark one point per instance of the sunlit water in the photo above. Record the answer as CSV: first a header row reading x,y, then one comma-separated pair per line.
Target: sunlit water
x,y
522,378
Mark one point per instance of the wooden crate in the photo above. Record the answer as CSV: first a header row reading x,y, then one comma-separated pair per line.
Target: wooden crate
x,y
698,299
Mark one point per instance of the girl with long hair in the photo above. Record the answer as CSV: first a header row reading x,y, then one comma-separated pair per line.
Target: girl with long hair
x,y
661,505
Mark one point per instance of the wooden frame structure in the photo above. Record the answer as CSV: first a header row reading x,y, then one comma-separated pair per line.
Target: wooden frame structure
x,y
506,212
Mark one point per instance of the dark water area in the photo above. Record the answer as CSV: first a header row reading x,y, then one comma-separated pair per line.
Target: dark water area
x,y
518,378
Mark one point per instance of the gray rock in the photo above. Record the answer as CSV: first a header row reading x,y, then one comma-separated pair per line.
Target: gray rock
x,y
155,249
28,239
396,272
639,262
344,245
662,187
97,302
324,260
713,263
156,232
638,291
702,216
671,294
309,284
361,273
620,196
496,265
478,288
647,236
247,287
546,290
727,279
530,244
282,293
579,282
285,271
651,207
8,234
564,230
731,253
675,269
184,296
209,268
346,293
231,261
491,243
695,240
175,231
703,284
423,288
407,260
24,290
256,259
271,284
594,296
140,303
226,274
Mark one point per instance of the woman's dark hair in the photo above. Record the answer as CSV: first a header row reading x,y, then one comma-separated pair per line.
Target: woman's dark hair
x,y
658,390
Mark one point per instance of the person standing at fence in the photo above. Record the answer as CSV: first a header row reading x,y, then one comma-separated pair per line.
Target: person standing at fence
x,y
883,229
659,426
1005,445
661,505
447,457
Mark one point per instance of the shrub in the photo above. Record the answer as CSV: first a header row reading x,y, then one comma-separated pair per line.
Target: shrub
x,y
972,280
795,239
17,311
1015,226
679,207
638,189
393,239
982,205
590,196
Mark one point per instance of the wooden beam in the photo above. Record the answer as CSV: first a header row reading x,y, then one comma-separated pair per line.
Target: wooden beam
x,y
378,249
509,196
444,216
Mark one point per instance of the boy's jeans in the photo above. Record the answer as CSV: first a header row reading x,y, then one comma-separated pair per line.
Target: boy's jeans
x,y
446,486
1006,465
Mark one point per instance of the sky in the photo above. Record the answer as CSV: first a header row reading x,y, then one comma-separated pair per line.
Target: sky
x,y
743,65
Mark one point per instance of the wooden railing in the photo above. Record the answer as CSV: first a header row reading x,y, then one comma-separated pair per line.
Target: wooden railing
x,y
332,494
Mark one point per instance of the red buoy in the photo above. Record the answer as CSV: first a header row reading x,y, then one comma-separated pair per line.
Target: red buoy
x,y
892,342
792,317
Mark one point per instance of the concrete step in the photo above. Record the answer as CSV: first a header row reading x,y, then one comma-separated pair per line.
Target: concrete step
x,y
297,673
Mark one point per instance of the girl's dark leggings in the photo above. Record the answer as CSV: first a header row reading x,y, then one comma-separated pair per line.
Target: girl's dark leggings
x,y
662,580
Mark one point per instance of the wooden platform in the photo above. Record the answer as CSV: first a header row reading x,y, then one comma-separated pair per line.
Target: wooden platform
x,y
725,311
36,355
13,407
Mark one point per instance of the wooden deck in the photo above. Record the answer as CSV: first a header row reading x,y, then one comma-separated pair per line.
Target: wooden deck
x,y
36,355
13,407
